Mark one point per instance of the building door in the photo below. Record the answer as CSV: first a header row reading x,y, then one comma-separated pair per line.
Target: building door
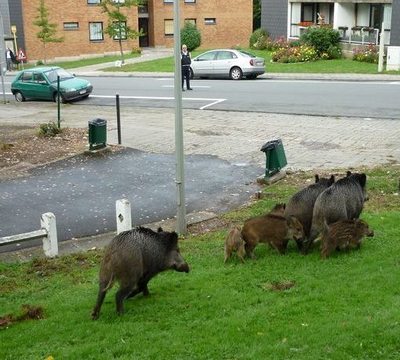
x,y
144,25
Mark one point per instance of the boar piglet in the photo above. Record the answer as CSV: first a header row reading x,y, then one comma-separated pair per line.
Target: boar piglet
x,y
133,258
234,243
343,235
275,230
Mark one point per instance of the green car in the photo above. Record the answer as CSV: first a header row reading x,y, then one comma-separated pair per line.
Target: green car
x,y
41,83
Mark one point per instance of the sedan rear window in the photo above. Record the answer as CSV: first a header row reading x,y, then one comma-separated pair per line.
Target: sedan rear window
x,y
245,53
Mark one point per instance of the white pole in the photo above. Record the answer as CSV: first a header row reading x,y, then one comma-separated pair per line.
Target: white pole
x,y
50,242
180,176
124,217
381,48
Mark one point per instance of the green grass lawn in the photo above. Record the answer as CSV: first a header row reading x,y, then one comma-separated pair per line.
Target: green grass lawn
x,y
320,66
90,61
345,307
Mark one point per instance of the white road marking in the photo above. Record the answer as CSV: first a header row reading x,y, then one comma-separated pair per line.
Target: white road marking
x,y
212,101
197,86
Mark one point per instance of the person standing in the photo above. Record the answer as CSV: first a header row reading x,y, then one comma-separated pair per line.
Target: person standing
x,y
9,59
185,63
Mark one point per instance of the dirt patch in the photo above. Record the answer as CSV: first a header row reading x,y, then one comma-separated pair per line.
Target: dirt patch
x,y
21,148
28,312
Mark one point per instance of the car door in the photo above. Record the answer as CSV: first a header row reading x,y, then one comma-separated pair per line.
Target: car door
x,y
42,87
224,61
203,65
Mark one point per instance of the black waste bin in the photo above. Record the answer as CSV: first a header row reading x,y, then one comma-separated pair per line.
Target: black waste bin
x,y
97,134
275,157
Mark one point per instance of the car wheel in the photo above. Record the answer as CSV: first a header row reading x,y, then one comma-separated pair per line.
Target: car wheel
x,y
236,73
62,99
19,97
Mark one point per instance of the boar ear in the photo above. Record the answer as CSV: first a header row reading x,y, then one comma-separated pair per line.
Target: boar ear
x,y
363,180
348,173
160,229
316,178
332,179
173,237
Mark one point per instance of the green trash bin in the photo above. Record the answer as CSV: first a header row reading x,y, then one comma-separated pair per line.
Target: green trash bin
x,y
97,134
275,157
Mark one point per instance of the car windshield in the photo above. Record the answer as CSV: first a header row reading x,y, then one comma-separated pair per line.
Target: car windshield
x,y
52,75
247,54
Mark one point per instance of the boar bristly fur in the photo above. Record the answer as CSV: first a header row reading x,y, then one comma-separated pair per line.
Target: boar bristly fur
x,y
301,204
343,235
234,244
133,258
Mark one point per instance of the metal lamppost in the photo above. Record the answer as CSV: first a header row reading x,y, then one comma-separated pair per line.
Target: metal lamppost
x,y
180,175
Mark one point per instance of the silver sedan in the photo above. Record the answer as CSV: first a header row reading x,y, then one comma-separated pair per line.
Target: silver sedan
x,y
233,64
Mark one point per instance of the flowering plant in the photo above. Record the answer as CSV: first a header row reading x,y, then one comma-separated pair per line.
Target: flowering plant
x,y
367,53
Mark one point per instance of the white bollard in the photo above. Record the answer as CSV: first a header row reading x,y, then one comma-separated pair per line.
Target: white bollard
x,y
50,242
124,218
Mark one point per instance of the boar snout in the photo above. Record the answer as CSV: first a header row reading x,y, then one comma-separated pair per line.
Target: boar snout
x,y
182,267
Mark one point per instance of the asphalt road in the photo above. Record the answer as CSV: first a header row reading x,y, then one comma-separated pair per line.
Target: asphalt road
x,y
82,191
372,99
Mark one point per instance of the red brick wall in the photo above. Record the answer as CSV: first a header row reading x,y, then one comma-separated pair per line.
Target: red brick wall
x,y
233,26
76,42
234,21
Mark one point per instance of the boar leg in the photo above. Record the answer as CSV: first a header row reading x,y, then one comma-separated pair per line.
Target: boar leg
x,y
100,298
121,295
142,287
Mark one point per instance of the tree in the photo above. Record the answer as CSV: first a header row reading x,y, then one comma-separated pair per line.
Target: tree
x,y
190,36
47,30
256,14
117,27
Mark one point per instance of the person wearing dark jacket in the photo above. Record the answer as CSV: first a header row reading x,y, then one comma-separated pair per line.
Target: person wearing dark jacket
x,y
185,63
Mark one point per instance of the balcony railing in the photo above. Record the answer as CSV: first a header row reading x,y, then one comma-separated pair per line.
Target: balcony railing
x,y
355,34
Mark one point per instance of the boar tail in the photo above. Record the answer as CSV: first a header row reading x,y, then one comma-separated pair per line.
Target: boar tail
x,y
110,283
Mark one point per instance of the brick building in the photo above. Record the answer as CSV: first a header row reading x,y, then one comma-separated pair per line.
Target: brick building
x,y
81,24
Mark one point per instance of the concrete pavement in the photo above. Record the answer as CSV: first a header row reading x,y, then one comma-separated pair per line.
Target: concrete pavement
x,y
317,143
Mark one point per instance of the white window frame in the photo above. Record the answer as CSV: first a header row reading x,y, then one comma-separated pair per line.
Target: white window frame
x,y
170,27
94,36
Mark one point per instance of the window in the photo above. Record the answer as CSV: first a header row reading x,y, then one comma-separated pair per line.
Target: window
x,y
191,21
96,31
210,21
168,1
168,27
26,76
307,12
120,29
225,55
91,2
71,26
190,1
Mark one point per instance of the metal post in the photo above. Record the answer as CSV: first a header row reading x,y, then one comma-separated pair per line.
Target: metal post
x,y
58,102
381,48
118,119
180,178
3,65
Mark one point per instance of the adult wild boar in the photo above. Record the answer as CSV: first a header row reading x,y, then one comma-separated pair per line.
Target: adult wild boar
x,y
344,200
301,204
133,258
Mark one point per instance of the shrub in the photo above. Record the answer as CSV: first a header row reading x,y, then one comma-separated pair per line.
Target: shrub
x,y
333,52
367,53
294,54
190,36
49,129
321,38
258,38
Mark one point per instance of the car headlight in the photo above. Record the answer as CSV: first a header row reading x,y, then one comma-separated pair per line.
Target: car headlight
x,y
69,90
